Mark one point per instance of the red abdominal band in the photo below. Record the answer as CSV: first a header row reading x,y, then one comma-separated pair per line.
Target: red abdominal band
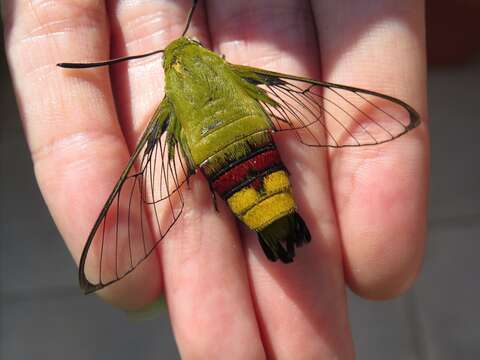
x,y
238,173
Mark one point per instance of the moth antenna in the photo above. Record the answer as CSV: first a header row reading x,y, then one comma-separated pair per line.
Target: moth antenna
x,y
107,62
189,17
131,57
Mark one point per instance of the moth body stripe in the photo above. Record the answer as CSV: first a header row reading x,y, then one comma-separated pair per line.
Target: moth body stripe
x,y
246,171
235,152
253,181
234,163
243,200
276,181
269,210
248,197
204,146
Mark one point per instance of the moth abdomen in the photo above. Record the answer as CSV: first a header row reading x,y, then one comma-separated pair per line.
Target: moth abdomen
x,y
258,191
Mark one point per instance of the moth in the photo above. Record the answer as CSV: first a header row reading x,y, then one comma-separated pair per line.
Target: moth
x,y
219,119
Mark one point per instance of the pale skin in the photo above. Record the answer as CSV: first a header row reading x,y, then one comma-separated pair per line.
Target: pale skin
x,y
366,208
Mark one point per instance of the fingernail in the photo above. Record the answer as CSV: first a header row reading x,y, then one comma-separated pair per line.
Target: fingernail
x,y
149,312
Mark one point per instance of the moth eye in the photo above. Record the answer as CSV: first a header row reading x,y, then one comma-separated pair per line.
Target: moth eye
x,y
195,40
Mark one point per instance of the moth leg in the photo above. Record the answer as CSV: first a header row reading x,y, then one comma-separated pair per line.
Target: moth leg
x,y
214,197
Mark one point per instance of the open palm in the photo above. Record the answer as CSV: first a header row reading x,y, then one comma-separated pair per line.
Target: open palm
x,y
365,207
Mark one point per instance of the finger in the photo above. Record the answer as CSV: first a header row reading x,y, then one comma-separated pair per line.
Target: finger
x,y
203,264
380,192
69,119
300,307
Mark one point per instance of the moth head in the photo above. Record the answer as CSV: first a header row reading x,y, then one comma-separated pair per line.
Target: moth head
x,y
195,40
179,49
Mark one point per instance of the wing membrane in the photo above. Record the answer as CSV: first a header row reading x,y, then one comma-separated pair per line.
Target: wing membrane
x,y
143,206
330,115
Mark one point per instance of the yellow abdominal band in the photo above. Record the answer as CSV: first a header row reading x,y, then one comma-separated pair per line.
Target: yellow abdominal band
x,y
259,209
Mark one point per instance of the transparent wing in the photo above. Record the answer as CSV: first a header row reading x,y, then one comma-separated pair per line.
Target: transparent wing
x,y
331,115
143,206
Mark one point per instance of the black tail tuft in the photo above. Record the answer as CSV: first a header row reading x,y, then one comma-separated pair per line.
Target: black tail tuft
x,y
279,239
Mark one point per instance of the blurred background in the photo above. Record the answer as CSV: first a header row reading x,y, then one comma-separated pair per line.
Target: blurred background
x,y
43,315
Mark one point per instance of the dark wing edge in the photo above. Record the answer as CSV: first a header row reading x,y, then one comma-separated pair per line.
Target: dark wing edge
x,y
143,206
325,114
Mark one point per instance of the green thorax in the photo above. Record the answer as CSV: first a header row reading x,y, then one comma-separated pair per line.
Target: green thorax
x,y
210,101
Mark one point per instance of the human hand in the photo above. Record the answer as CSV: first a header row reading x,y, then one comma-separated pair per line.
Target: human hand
x,y
365,208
